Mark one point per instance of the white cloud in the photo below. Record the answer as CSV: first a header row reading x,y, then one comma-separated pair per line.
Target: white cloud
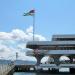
x,y
39,38
17,34
5,51
5,36
29,30
15,41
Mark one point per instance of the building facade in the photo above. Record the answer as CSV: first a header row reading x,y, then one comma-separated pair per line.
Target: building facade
x,y
59,45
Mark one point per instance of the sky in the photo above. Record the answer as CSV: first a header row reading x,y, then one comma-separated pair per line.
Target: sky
x,y
51,17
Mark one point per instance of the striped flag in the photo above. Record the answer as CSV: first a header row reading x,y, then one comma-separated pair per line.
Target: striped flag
x,y
30,13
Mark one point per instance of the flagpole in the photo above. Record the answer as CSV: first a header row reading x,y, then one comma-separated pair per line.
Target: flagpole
x,y
34,27
32,13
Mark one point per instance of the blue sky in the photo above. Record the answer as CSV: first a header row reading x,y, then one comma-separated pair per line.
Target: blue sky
x,y
52,16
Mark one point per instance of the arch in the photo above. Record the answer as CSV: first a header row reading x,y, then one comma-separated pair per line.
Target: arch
x,y
44,59
64,59
47,59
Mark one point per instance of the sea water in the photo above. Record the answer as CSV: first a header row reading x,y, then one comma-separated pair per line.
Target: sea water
x,y
63,71
34,73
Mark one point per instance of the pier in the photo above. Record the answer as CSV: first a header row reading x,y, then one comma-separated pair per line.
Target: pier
x,y
7,69
24,66
60,45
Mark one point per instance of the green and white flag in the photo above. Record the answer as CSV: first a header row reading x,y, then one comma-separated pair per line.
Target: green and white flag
x,y
30,13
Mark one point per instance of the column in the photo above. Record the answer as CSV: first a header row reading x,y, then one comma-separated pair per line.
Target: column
x,y
39,57
56,59
71,58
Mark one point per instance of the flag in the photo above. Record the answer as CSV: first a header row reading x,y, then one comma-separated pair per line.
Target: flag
x,y
30,13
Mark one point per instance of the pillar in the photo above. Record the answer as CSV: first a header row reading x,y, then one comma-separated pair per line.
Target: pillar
x,y
57,62
54,70
71,58
39,57
72,70
56,59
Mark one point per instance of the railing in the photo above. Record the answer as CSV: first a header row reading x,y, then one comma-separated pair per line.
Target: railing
x,y
30,53
57,66
6,68
50,52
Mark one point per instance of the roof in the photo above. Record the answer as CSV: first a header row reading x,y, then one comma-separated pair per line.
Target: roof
x,y
38,44
64,36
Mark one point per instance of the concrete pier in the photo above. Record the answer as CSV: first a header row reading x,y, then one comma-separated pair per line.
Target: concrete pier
x,y
24,68
6,69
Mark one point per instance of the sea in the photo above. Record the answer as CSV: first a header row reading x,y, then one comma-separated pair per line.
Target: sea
x,y
34,73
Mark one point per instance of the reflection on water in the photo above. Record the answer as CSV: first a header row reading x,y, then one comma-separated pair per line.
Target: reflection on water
x,y
33,73
24,73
